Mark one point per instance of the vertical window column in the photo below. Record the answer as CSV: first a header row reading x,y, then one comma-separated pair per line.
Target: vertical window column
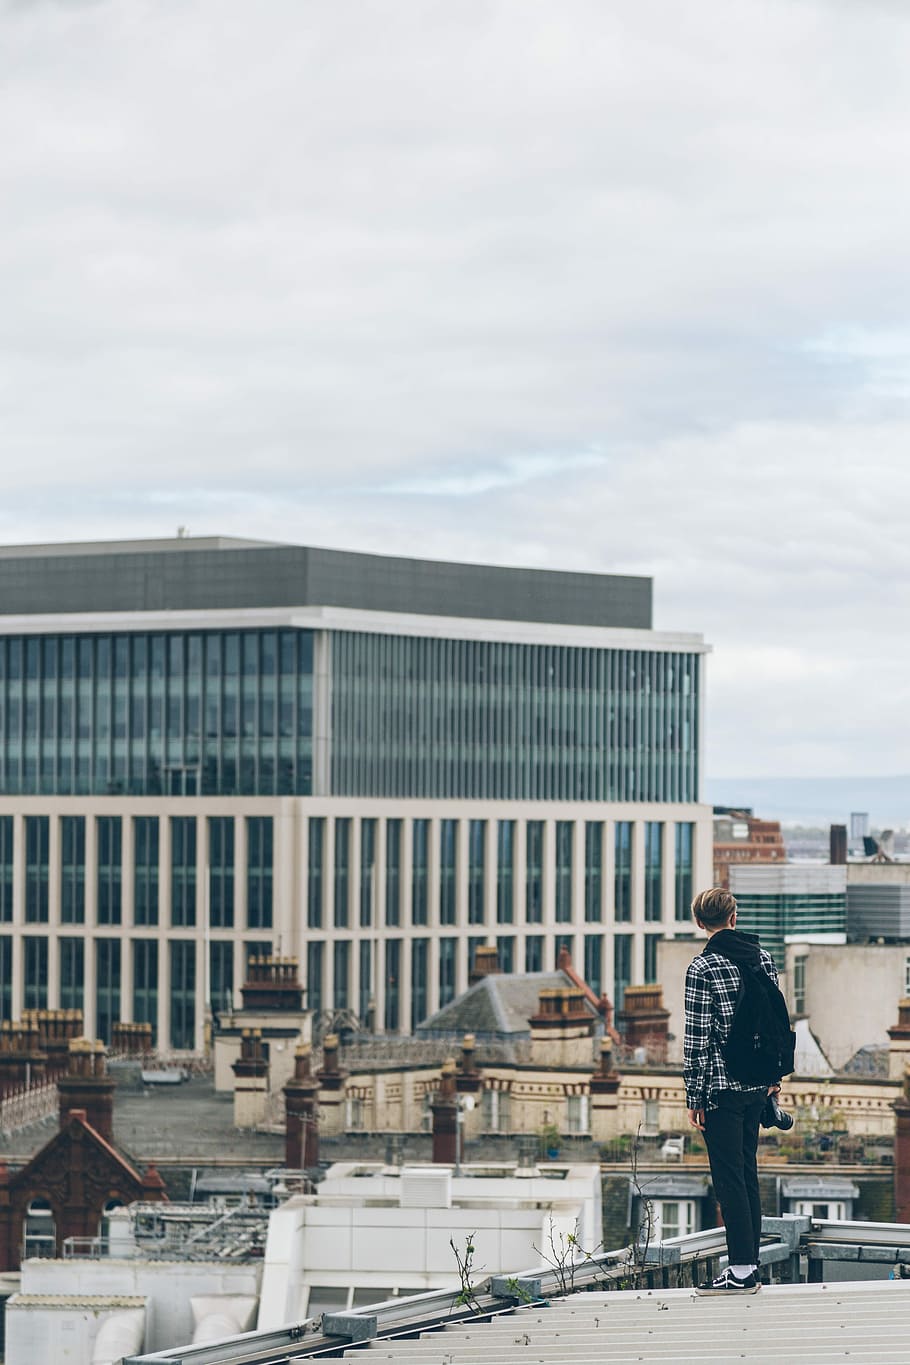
x,y
316,872
393,864
477,861
448,864
183,994
35,964
622,872
107,986
6,976
145,873
6,869
259,871
145,983
342,896
72,871
682,873
367,873
594,841
221,871
564,836
109,835
654,845
221,975
183,872
534,874
420,855
420,968
622,967
505,871
37,869
72,973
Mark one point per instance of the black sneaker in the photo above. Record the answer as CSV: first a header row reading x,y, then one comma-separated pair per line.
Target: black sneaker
x,y
727,1283
772,1116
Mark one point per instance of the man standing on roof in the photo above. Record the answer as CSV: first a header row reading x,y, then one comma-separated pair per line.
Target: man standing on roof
x,y
727,1111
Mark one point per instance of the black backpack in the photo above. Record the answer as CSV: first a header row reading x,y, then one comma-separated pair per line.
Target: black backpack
x,y
760,1047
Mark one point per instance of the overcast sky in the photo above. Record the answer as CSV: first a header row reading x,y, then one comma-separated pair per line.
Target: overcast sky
x,y
619,287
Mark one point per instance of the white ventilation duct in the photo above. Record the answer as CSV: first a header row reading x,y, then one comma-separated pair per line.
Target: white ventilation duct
x,y
119,1335
222,1315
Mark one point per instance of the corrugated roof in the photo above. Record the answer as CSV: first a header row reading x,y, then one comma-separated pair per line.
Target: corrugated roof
x,y
809,1324
96,1302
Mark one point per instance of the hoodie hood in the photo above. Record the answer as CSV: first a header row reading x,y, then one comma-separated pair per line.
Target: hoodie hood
x,y
735,946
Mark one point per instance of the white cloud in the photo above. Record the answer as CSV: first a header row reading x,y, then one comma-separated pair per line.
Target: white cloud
x,y
611,287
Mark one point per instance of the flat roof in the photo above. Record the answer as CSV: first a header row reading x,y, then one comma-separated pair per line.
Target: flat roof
x,y
225,573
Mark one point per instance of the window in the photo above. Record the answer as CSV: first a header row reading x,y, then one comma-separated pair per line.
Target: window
x,y
72,869
447,951
419,905
221,975
651,942
366,1004
907,976
578,1113
505,871
393,872
622,872
563,871
145,982
342,872
477,857
622,967
799,985
448,861
183,995
354,1113
367,870
594,957
109,834
107,986
315,869
650,1119
259,871
72,973
40,1231
221,872
314,972
145,871
341,973
496,1111
654,832
505,951
420,952
35,970
6,869
832,1210
534,865
672,1218
594,847
534,953
6,976
682,893
392,985
37,842
183,872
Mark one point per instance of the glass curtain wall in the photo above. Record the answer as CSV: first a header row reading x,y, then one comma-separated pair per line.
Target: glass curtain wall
x,y
564,832
654,862
72,870
259,871
622,872
535,722
145,872
218,713
221,871
682,889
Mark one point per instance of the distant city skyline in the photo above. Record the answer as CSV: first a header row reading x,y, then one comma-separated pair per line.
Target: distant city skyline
x,y
586,287
817,801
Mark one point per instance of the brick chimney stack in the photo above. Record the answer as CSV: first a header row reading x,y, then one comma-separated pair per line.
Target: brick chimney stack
x,y
251,1080
642,1021
301,1097
444,1107
486,963
87,1086
272,983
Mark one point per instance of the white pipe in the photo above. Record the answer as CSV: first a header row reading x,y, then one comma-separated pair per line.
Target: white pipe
x,y
119,1335
222,1315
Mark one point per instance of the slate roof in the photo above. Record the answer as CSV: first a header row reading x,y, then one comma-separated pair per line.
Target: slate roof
x,y
501,1003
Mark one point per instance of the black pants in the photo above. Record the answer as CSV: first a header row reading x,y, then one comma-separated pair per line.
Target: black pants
x,y
731,1136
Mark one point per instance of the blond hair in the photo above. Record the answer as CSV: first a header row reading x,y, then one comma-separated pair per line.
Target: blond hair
x,y
714,907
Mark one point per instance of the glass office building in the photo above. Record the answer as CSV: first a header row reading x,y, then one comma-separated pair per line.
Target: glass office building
x,y
215,749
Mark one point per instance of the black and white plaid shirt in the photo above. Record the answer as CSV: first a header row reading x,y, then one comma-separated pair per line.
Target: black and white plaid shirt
x,y
712,984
